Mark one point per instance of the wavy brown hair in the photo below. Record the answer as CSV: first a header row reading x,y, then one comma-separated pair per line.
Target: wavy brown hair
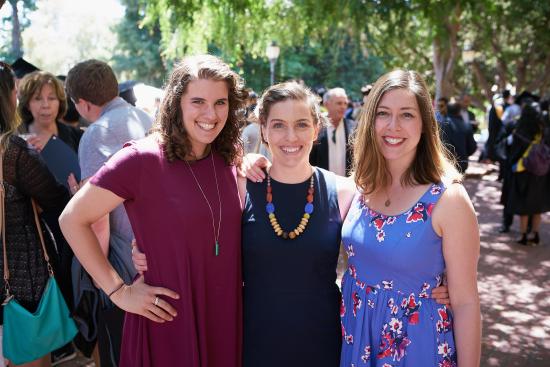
x,y
431,162
169,121
31,85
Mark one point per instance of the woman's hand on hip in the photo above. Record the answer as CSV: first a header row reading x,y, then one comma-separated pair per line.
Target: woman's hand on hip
x,y
145,300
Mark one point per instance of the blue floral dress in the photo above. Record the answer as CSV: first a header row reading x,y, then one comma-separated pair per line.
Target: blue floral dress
x,y
388,319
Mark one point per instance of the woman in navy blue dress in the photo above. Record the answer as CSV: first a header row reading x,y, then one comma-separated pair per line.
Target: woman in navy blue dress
x,y
291,240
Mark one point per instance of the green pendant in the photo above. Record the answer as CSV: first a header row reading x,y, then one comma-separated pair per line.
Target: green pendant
x,y
217,248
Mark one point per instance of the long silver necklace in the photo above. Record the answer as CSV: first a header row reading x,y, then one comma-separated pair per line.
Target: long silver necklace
x,y
216,233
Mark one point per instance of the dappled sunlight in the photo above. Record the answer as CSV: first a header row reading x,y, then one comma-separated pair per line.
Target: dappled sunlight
x,y
514,285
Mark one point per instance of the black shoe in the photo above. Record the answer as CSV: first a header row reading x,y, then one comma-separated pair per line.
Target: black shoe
x,y
535,239
504,229
63,354
523,240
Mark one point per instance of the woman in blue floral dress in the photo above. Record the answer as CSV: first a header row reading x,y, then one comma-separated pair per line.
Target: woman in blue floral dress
x,y
410,222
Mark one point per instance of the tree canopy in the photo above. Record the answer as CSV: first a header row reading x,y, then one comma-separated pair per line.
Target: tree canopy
x,y
510,38
334,43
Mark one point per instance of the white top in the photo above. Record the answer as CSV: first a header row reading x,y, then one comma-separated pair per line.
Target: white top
x,y
337,149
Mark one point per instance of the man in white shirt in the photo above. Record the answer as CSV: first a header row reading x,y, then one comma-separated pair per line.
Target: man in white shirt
x,y
333,151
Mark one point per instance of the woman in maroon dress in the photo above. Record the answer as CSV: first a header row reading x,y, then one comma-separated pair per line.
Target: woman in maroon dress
x,y
179,190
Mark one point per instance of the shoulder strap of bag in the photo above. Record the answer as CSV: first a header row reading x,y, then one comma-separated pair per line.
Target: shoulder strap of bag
x,y
3,224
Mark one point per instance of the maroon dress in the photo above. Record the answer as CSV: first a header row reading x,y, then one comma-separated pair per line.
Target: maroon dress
x,y
173,227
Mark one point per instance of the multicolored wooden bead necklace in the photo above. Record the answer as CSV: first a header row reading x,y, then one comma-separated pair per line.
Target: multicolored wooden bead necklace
x,y
308,210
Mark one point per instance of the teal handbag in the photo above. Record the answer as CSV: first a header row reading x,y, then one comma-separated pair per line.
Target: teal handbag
x,y
29,336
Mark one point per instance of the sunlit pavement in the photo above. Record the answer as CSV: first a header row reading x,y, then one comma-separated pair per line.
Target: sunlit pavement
x,y
514,283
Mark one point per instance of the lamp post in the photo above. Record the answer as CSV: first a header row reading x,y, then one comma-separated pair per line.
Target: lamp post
x,y
468,56
272,52
468,53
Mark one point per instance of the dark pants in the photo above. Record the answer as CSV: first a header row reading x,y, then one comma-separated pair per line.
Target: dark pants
x,y
109,337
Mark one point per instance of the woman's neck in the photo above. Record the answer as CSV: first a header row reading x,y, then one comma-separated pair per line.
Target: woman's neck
x,y
397,169
291,175
198,154
43,129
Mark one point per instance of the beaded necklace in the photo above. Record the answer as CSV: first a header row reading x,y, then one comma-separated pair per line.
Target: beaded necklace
x,y
308,210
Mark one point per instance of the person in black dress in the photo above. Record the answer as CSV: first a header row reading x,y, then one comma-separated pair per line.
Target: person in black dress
x,y
525,193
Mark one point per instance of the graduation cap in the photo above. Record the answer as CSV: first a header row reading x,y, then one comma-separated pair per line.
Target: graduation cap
x,y
22,67
126,91
526,95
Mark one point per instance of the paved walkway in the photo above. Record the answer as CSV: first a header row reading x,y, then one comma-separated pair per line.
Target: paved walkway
x,y
514,285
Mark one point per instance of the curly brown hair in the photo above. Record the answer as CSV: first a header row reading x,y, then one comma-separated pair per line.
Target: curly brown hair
x,y
432,162
32,84
169,121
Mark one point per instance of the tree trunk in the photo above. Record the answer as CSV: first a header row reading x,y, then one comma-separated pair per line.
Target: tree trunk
x,y
16,39
445,49
482,81
539,85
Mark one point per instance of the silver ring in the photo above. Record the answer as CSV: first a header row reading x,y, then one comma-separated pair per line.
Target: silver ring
x,y
156,301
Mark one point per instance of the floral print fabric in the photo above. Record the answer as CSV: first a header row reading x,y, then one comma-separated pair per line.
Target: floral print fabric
x,y
388,318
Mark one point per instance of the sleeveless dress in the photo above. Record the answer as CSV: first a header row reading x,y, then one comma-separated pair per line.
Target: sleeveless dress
x,y
290,297
394,263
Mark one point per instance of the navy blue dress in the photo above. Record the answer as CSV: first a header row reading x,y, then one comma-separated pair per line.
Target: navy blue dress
x,y
291,301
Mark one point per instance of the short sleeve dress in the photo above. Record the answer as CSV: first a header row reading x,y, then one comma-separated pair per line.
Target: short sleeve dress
x,y
388,319
173,227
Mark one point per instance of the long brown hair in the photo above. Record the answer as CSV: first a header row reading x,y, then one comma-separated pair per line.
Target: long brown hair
x,y
8,120
431,162
169,121
32,84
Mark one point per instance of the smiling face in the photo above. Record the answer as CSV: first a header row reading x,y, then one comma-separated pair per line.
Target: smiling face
x,y
398,125
205,108
44,105
290,131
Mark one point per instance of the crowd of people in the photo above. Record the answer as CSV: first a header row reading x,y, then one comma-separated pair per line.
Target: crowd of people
x,y
176,248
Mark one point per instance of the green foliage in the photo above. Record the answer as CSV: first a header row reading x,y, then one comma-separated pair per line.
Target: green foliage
x,y
6,50
318,38
139,55
513,39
